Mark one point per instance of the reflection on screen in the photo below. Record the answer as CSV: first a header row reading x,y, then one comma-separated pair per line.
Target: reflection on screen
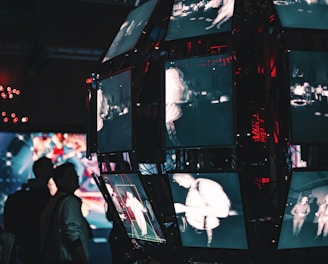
x,y
209,209
197,18
308,96
306,212
133,207
114,121
198,102
131,29
308,14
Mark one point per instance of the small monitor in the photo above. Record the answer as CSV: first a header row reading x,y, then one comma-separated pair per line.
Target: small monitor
x,y
307,14
134,207
131,30
209,209
114,117
197,18
199,105
308,82
305,213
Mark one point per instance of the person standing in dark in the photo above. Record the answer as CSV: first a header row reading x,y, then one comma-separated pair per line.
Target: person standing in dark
x,y
64,230
23,209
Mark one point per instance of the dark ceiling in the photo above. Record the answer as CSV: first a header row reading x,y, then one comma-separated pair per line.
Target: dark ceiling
x,y
48,49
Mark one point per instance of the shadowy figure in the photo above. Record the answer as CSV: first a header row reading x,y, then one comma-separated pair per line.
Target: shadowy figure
x,y
65,232
23,210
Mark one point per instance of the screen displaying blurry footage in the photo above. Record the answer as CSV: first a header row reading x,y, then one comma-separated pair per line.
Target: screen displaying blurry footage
x,y
199,107
209,209
130,30
133,207
306,14
306,217
191,18
308,96
18,151
114,119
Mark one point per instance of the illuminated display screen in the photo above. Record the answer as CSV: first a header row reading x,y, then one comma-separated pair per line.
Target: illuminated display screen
x,y
209,209
306,14
196,18
308,96
133,207
199,102
114,118
18,151
131,30
306,211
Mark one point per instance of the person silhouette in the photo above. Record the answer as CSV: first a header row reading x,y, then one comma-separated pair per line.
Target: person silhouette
x,y
64,230
23,210
299,212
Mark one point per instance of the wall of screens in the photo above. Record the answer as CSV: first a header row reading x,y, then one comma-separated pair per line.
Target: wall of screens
x,y
199,107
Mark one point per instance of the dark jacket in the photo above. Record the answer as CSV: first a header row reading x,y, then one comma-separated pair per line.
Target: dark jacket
x,y
64,231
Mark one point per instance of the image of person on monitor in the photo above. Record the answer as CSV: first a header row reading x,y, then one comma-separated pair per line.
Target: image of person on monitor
x,y
206,202
299,212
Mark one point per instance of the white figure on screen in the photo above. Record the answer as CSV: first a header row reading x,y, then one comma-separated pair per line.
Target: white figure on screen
x,y
138,210
299,212
225,12
322,215
205,203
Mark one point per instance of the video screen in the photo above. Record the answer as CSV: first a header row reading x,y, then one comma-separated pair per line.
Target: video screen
x,y
306,14
199,108
308,96
306,217
114,118
18,151
190,18
133,207
209,209
130,30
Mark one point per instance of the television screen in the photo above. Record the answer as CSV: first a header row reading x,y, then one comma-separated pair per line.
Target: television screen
x,y
114,118
209,209
18,151
308,91
196,18
305,215
131,30
307,14
133,207
199,109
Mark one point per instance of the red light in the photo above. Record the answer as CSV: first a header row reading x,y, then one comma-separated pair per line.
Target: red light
x,y
88,80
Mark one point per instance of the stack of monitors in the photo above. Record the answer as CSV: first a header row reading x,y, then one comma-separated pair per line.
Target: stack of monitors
x,y
199,105
133,206
197,18
308,82
307,14
209,209
130,30
18,151
114,113
305,213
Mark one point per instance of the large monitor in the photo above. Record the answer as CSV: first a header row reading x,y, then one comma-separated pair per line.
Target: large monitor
x,y
18,151
308,82
131,30
197,18
134,207
305,14
209,209
199,105
305,213
114,113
